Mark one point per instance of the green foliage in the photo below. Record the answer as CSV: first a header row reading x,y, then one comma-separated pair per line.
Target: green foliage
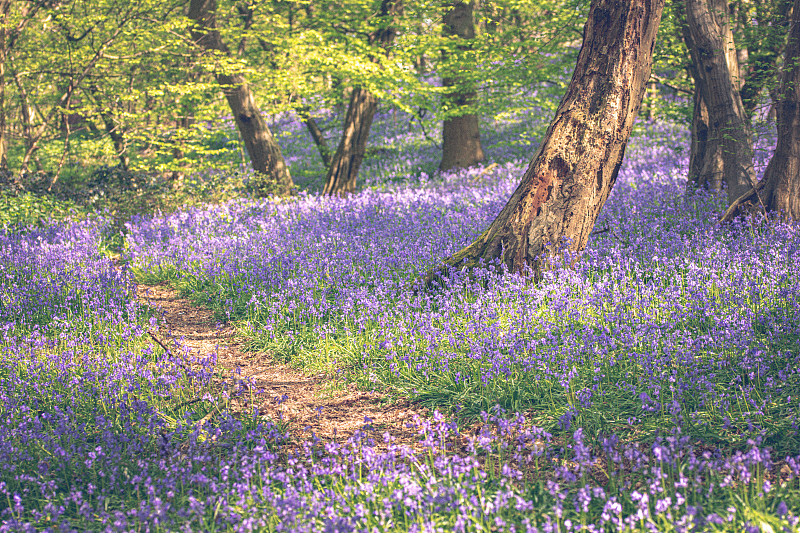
x,y
101,83
29,209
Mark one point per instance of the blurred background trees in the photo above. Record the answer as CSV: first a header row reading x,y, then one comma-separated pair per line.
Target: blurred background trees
x,y
144,93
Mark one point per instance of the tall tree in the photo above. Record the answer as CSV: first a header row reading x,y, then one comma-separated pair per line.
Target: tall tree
x,y
5,7
461,139
765,41
779,189
343,169
722,150
565,186
12,24
265,154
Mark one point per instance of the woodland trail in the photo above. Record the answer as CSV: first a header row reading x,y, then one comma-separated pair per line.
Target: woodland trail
x,y
330,409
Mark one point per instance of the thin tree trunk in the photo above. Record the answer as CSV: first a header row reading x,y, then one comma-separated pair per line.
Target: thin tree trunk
x,y
343,169
118,139
566,185
728,153
3,140
64,151
763,56
112,127
31,133
36,133
699,143
8,37
461,139
4,8
319,140
779,189
178,153
317,135
649,102
265,154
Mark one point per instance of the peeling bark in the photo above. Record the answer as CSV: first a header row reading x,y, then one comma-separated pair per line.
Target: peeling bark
x,y
568,182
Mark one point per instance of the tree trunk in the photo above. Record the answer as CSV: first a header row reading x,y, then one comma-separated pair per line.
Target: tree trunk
x,y
118,139
112,127
317,135
5,6
31,132
699,142
650,101
461,139
728,153
343,170
779,189
3,135
182,123
265,154
773,19
565,186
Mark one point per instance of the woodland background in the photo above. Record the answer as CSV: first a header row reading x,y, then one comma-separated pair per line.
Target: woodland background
x,y
102,99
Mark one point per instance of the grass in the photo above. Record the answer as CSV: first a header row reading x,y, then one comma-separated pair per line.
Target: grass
x,y
654,387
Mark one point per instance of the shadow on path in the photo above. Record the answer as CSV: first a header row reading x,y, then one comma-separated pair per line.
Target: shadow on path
x,y
313,403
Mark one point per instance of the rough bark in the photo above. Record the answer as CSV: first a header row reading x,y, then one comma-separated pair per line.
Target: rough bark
x,y
728,153
461,139
343,169
779,190
265,154
566,185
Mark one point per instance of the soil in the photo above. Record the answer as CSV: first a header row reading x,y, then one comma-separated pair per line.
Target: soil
x,y
314,403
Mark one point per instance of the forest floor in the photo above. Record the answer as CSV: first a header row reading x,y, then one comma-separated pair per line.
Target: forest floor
x,y
313,403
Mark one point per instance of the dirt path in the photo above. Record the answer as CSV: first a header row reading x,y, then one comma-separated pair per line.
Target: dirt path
x,y
311,404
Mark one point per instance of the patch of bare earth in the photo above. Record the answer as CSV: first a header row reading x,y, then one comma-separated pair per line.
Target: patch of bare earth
x,y
313,403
